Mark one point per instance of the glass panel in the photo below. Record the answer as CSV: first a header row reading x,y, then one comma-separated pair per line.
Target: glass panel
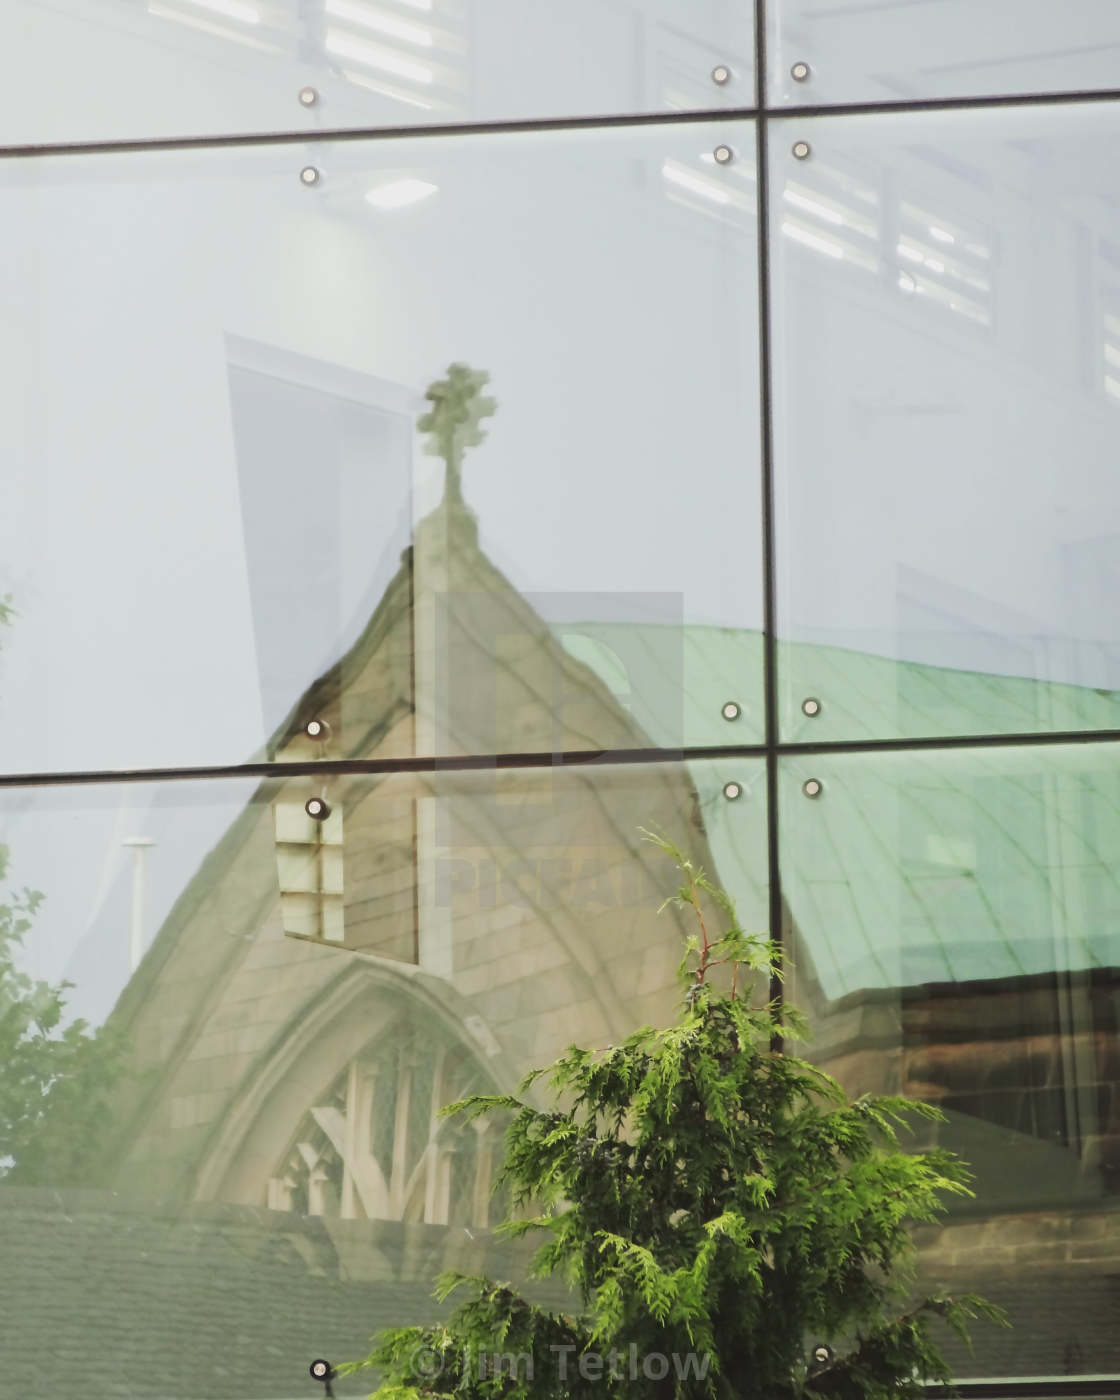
x,y
99,70
954,918
948,419
947,48
249,1142
223,520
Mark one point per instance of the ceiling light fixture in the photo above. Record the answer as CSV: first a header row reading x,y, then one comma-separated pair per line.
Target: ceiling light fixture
x,y
400,193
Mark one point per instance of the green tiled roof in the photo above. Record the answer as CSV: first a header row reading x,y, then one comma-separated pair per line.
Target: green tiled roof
x,y
865,696
935,866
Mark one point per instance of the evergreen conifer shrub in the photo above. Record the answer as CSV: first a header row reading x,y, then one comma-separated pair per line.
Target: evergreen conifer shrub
x,y
729,1222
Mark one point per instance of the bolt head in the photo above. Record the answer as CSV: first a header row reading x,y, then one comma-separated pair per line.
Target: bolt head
x,y
801,150
317,808
317,729
811,706
721,75
310,175
800,72
812,787
731,709
320,1370
732,791
723,155
308,96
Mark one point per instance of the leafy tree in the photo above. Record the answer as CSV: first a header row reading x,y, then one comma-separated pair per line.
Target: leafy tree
x,y
54,1079
705,1194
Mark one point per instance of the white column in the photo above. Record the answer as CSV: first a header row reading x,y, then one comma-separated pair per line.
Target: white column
x,y
139,846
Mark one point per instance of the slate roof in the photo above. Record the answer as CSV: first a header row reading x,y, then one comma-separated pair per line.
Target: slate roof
x,y
104,1300
108,1300
1065,1322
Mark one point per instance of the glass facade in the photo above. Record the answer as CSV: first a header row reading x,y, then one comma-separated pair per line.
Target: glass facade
x,y
442,438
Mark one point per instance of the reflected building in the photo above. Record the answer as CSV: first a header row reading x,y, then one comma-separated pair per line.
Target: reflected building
x,y
220,545
325,984
361,948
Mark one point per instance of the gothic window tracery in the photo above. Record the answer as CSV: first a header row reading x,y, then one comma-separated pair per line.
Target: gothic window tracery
x,y
372,1147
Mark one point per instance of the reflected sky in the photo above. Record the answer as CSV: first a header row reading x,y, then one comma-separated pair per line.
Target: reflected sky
x,y
947,425
954,48
244,457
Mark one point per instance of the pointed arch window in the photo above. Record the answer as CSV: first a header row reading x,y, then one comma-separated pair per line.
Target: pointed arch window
x,y
372,1147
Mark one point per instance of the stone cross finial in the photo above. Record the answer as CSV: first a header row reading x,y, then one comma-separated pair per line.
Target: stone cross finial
x,y
458,407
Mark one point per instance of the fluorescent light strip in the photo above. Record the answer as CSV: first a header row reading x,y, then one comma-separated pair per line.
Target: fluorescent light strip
x,y
196,22
960,306
847,184
678,175
379,20
941,234
232,9
740,170
822,211
361,80
346,47
812,240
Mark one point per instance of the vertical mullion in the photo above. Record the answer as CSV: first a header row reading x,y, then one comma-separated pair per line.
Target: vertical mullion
x,y
765,384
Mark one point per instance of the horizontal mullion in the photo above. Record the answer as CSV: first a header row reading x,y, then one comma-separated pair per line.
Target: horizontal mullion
x,y
458,763
576,123
1043,1387
124,146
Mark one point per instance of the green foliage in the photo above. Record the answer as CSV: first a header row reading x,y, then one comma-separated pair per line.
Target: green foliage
x,y
54,1079
702,1192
